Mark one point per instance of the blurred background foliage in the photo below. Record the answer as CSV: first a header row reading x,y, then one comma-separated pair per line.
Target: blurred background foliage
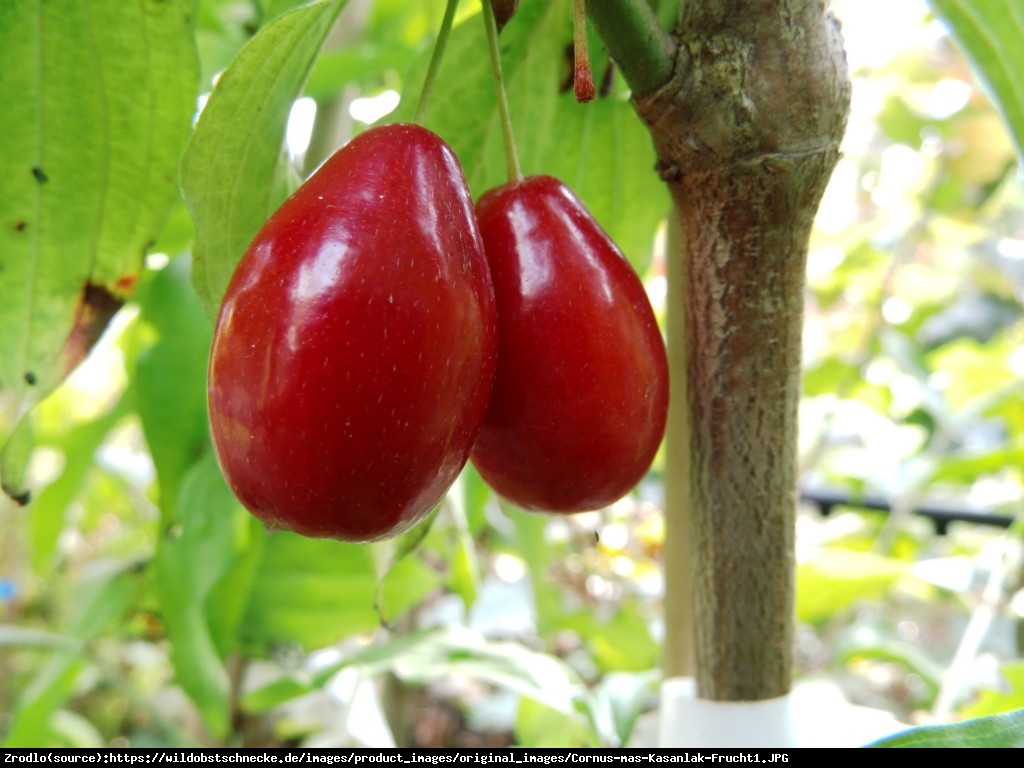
x,y
141,606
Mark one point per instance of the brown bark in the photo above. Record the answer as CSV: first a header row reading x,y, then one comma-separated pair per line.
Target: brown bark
x,y
678,651
747,133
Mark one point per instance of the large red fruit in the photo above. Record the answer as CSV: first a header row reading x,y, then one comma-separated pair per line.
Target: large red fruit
x,y
355,348
581,393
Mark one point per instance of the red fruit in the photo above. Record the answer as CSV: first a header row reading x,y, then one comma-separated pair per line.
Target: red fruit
x,y
581,393
355,348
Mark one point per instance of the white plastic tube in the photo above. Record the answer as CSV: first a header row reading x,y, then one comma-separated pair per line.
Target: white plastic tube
x,y
811,716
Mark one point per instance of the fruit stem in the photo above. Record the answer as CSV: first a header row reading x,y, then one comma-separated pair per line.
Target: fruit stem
x,y
511,157
583,78
435,60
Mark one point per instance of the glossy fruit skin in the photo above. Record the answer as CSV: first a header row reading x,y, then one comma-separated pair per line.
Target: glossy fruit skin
x,y
581,394
354,352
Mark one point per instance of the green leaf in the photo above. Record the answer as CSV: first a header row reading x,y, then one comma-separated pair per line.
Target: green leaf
x,y
273,694
17,451
49,509
193,556
531,545
601,149
865,641
994,702
23,637
439,654
30,724
405,585
836,578
232,167
363,61
541,728
98,100
997,731
402,579
313,592
223,27
968,466
990,35
829,376
626,696
72,731
170,345
275,8
622,643
178,233
465,499
229,599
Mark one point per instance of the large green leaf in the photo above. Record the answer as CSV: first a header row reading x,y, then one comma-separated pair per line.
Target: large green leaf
x,y
990,35
622,643
209,538
601,149
1006,730
311,591
171,342
232,171
49,509
209,545
315,591
98,98
532,545
837,578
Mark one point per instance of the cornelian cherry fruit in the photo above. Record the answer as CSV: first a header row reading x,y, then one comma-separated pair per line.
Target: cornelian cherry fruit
x,y
580,397
354,352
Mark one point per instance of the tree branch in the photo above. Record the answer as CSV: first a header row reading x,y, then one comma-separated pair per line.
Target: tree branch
x,y
747,132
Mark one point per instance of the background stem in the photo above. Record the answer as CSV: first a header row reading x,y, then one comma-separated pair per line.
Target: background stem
x,y
435,60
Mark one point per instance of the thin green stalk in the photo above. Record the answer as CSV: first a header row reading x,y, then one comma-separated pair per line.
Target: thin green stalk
x,y
641,47
435,60
511,157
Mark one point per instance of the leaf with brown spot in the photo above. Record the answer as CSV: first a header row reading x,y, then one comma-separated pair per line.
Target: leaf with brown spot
x,y
95,310
98,101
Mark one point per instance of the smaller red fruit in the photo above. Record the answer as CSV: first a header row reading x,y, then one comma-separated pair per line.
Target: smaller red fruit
x,y
580,397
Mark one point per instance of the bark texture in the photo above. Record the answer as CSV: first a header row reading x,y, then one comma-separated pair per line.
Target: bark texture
x,y
747,133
